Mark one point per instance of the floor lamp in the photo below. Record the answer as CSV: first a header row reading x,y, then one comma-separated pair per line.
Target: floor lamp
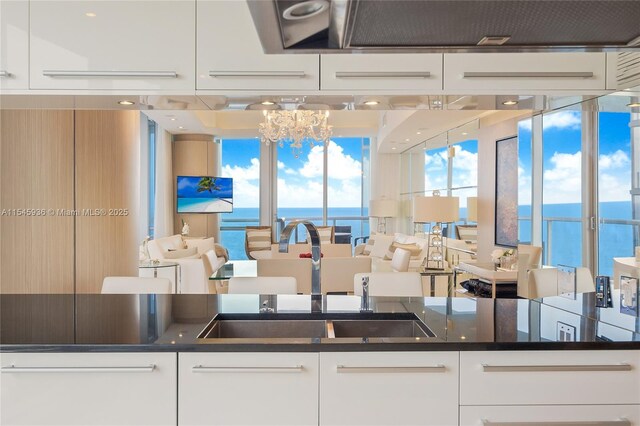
x,y
383,208
439,210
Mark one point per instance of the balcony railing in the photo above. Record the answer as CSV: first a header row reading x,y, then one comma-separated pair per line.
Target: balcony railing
x,y
549,237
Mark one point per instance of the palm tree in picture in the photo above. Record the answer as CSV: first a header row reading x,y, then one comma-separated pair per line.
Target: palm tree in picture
x,y
207,184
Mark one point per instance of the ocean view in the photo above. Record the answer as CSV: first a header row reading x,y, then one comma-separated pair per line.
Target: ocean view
x,y
616,240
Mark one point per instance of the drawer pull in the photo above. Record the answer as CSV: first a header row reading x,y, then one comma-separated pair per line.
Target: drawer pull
x,y
204,369
622,422
527,74
286,74
134,369
427,369
539,368
4,73
377,74
119,74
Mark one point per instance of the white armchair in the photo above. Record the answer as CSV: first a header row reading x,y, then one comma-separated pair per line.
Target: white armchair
x,y
193,277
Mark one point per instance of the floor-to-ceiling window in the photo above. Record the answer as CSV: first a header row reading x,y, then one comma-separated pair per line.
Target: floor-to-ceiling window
x,y
151,209
301,187
616,228
562,188
524,180
240,161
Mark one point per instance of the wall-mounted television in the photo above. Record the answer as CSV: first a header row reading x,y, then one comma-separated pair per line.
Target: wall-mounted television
x,y
204,194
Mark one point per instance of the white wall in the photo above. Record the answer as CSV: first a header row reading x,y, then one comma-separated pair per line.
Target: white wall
x,y
386,181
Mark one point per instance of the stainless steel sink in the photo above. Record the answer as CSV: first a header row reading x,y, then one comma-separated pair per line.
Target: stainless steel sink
x,y
379,328
267,329
315,326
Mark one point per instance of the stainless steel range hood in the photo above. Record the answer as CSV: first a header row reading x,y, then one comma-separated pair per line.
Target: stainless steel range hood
x,y
303,26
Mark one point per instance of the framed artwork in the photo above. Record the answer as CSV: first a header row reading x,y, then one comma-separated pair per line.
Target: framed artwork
x,y
506,205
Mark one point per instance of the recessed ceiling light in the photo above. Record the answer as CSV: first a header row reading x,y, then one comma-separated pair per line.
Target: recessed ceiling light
x,y
305,9
90,14
509,103
180,127
126,102
418,133
406,140
173,119
372,103
464,133
267,103
634,105
393,147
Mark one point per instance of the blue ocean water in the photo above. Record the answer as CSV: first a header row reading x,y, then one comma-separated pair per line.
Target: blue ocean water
x,y
616,240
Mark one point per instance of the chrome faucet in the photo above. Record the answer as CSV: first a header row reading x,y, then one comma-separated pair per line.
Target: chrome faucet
x,y
285,235
364,306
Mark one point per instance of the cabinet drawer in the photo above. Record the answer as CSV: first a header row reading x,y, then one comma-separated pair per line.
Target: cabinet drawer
x,y
88,389
146,45
248,389
488,72
556,415
389,388
14,53
549,377
230,54
415,72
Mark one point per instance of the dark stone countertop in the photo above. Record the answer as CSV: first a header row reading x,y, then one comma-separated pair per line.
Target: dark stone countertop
x,y
160,323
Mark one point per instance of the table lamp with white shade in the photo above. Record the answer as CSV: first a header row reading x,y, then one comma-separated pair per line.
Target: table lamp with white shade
x,y
383,208
472,209
440,210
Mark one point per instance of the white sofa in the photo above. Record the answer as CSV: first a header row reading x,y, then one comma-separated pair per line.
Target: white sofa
x,y
193,278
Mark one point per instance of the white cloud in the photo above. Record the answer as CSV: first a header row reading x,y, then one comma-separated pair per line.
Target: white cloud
x,y
341,165
612,161
280,165
465,167
246,190
556,120
563,181
299,194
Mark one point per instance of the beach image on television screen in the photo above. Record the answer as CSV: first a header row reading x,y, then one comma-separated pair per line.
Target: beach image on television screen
x,y
204,194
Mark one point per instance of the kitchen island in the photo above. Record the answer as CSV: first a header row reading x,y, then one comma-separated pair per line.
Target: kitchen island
x,y
136,359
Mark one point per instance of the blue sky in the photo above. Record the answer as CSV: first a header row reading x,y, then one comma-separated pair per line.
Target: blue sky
x,y
562,135
299,179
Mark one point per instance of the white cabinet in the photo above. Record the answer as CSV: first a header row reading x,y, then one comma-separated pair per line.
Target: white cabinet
x,y
552,415
550,377
140,44
230,55
88,389
14,44
418,73
389,388
248,389
513,72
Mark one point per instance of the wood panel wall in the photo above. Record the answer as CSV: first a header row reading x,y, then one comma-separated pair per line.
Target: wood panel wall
x,y
107,177
36,172
196,155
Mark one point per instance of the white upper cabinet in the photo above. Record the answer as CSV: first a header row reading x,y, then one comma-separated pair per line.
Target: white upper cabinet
x,y
14,45
374,72
230,56
514,72
139,45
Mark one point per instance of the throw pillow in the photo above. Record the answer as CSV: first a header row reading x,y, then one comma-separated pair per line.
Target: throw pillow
x,y
259,239
181,253
381,245
203,245
414,249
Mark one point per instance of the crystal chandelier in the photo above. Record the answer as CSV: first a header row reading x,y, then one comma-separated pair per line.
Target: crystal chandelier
x,y
295,127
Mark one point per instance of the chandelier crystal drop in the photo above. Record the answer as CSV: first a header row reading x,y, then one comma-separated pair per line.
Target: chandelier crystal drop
x,y
294,128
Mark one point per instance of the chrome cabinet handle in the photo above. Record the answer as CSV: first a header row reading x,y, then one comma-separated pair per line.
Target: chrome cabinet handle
x,y
527,74
621,422
540,368
378,74
426,369
4,73
120,74
296,74
204,369
133,369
